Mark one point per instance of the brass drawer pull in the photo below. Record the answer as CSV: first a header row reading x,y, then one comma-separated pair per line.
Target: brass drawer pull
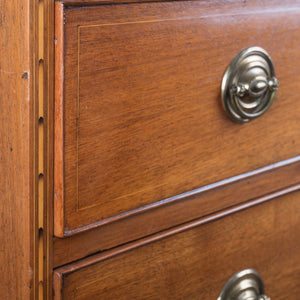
x,y
244,285
249,85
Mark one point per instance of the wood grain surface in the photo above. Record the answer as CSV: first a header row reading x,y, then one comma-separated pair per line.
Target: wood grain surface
x,y
58,115
249,190
48,120
18,156
204,3
141,137
142,112
197,261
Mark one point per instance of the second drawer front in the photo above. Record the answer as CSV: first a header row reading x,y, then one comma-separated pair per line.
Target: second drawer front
x,y
139,115
196,263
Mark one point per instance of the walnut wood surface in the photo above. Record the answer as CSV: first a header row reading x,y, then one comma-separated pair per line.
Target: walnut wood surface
x,y
18,157
58,113
95,2
205,3
197,261
48,117
258,186
26,269
142,113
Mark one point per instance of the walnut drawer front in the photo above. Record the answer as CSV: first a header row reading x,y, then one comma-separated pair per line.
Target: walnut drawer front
x,y
138,110
195,262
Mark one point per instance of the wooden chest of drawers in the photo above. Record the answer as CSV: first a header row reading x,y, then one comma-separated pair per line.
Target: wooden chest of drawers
x,y
141,187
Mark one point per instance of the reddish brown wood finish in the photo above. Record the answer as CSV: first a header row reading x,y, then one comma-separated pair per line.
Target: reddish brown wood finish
x,y
204,3
48,120
59,107
176,211
27,144
142,123
197,261
95,2
18,155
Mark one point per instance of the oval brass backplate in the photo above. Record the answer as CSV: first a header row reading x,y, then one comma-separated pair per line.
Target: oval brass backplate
x,y
249,85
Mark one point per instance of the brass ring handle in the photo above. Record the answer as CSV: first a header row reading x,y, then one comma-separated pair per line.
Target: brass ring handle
x,y
244,285
249,85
